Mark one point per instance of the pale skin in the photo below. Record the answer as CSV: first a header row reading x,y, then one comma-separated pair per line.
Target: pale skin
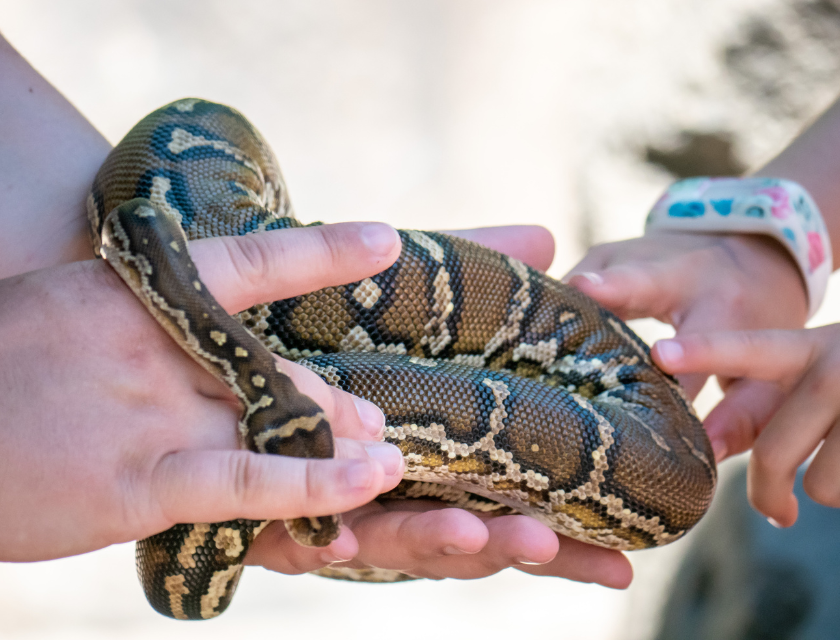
x,y
115,433
90,402
777,383
802,367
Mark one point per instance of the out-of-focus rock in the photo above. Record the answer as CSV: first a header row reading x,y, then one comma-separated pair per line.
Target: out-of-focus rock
x,y
698,154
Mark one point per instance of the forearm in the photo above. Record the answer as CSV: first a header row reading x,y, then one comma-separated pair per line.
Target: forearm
x,y
813,160
49,154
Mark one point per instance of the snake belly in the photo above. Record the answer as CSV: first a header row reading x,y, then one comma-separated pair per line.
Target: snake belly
x,y
504,389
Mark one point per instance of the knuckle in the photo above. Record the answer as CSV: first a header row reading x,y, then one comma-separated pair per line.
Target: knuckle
x,y
760,502
332,248
299,560
246,477
744,348
641,276
739,431
405,536
769,460
820,382
311,485
754,341
820,490
250,256
733,297
696,344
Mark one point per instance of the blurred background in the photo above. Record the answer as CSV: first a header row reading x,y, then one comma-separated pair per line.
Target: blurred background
x,y
437,114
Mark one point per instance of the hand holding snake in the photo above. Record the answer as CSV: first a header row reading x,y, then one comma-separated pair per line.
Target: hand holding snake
x,y
795,420
141,437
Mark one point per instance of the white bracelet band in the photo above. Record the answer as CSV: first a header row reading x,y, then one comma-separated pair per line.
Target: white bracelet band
x,y
770,206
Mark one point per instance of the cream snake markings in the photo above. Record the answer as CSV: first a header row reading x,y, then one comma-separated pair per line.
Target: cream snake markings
x,y
506,391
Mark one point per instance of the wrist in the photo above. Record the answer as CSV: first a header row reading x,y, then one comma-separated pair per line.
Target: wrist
x,y
769,266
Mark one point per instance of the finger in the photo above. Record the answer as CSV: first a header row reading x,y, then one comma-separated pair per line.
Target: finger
x,y
275,550
774,355
822,481
586,563
349,416
640,291
633,290
735,423
786,442
532,244
514,541
413,541
212,486
247,270
450,543
596,259
392,465
701,317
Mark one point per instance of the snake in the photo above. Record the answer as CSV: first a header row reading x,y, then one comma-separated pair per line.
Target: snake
x,y
506,390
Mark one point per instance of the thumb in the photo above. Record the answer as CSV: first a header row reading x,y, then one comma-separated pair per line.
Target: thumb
x,y
246,270
213,486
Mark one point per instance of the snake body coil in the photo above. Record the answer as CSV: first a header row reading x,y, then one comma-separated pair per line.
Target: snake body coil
x,y
503,388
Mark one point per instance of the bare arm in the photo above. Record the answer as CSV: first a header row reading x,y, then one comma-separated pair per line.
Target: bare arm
x,y
813,160
48,158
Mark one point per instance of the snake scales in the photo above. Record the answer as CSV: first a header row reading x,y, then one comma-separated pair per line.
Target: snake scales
x,y
503,388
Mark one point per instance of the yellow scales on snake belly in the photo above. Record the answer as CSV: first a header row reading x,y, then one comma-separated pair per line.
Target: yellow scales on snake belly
x,y
502,387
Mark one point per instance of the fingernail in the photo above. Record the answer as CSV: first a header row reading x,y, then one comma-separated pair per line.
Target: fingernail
x,y
373,420
720,449
593,277
359,475
389,456
530,562
379,238
329,557
455,551
670,352
775,523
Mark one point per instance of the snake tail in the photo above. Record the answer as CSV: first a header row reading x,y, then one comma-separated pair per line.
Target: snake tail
x,y
149,251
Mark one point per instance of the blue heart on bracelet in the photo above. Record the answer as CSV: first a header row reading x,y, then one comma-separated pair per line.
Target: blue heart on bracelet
x,y
693,209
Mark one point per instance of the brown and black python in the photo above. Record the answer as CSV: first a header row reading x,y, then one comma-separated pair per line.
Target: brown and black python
x,y
504,389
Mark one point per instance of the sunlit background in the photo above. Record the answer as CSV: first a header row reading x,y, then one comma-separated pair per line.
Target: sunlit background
x,y
435,114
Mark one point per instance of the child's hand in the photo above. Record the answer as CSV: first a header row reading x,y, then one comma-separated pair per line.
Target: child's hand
x,y
696,282
784,421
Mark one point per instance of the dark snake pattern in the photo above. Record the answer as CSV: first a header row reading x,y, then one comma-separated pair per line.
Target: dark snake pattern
x,y
504,389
